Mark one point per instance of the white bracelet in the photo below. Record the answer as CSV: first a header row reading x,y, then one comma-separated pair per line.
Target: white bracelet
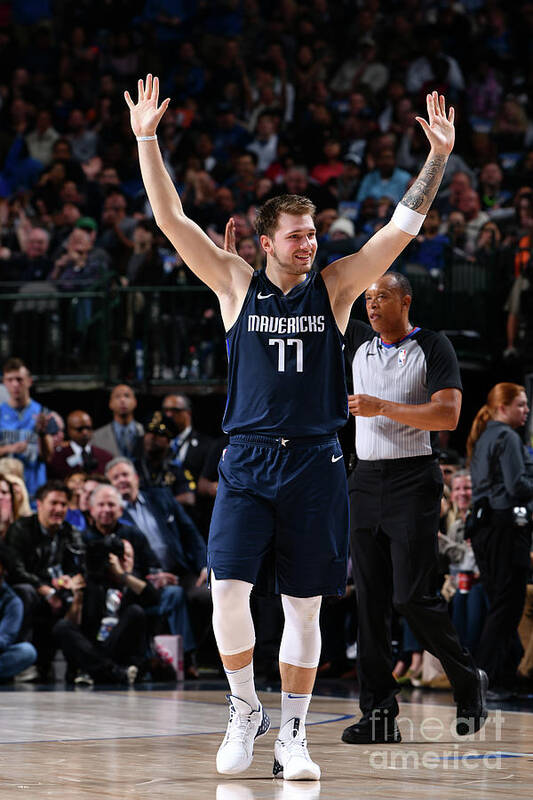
x,y
408,220
146,138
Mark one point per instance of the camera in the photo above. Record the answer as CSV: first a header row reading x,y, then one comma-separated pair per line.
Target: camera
x,y
97,554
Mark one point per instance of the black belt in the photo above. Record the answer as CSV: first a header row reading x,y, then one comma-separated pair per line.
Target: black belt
x,y
409,461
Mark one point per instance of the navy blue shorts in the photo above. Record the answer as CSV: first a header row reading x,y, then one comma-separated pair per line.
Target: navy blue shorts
x,y
286,497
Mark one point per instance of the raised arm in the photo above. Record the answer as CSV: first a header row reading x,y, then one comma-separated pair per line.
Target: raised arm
x,y
348,277
226,274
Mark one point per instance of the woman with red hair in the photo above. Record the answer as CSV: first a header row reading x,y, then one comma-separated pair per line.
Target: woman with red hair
x,y
502,495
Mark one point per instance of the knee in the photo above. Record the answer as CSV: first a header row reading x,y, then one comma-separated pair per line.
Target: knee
x,y
27,593
228,595
172,596
62,628
304,611
27,653
134,614
301,640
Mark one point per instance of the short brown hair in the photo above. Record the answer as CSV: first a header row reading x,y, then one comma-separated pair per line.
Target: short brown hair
x,y
13,365
268,215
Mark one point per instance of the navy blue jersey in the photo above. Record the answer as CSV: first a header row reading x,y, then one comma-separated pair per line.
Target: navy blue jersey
x,y
286,367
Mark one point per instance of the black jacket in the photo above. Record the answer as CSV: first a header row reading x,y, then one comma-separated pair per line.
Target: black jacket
x,y
37,557
501,468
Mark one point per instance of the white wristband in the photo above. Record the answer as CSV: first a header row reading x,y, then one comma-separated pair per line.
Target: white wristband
x,y
146,138
408,220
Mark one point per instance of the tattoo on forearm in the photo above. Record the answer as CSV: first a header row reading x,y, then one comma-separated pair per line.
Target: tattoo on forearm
x,y
421,194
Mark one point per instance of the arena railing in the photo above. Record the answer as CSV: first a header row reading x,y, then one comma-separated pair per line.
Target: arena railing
x,y
159,336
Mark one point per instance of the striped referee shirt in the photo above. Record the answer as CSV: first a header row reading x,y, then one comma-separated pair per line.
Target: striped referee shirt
x,y
409,371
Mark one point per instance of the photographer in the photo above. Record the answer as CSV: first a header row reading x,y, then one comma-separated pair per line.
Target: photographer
x,y
500,527
46,552
104,634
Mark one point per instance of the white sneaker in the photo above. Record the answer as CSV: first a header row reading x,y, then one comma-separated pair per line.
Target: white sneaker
x,y
27,675
83,679
291,758
245,725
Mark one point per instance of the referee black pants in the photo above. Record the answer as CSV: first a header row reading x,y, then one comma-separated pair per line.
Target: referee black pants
x,y
395,507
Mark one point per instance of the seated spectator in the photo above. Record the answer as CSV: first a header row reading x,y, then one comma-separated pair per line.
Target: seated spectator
x,y
24,425
386,180
510,126
145,266
15,657
41,140
79,452
157,465
84,142
9,504
332,166
363,70
248,249
174,538
430,247
46,551
468,603
30,264
91,482
448,200
21,495
265,142
79,266
190,446
103,636
123,436
244,179
75,483
420,70
109,518
340,242
493,195
347,183
116,229
470,206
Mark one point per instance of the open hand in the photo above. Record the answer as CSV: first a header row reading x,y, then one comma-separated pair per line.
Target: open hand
x,y
145,114
230,245
440,130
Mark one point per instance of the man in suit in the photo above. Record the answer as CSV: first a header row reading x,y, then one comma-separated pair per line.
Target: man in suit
x,y
190,446
123,436
80,453
173,537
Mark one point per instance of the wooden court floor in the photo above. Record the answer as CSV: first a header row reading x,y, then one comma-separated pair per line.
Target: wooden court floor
x,y
136,744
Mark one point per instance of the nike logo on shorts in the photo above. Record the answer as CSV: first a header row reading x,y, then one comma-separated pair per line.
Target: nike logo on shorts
x,y
335,458
264,296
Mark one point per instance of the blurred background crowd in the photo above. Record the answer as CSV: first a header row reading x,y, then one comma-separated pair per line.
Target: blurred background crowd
x,y
317,99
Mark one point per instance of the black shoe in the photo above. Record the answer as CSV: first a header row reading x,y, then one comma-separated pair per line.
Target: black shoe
x,y
499,694
376,727
471,715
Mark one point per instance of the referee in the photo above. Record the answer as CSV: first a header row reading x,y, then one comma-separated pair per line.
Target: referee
x,y
407,384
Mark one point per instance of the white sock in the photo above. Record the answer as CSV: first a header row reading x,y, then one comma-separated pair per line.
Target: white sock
x,y
294,704
241,684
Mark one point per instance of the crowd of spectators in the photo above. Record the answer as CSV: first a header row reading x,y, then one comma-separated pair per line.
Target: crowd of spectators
x,y
106,548
316,98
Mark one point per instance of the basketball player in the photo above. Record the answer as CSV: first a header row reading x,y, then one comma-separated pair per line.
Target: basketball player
x,y
282,484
